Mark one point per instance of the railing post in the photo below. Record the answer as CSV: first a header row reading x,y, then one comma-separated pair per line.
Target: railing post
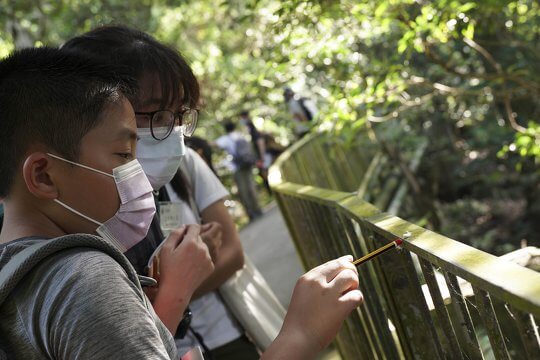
x,y
384,344
485,308
463,321
528,330
449,342
410,313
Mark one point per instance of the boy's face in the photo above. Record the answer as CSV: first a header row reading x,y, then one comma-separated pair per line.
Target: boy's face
x,y
111,144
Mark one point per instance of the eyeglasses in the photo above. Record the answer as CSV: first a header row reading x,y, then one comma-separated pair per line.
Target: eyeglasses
x,y
162,122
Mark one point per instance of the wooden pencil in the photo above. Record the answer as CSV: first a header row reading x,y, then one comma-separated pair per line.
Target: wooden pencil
x,y
378,252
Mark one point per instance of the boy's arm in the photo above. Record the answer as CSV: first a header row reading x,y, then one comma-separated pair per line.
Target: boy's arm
x,y
322,299
231,256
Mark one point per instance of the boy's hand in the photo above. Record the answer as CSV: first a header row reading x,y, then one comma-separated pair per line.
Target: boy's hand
x,y
322,299
211,235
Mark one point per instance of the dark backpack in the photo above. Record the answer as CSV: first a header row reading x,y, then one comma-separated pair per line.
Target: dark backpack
x,y
244,157
305,109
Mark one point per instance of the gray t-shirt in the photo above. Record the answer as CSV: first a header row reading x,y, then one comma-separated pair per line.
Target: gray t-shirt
x,y
79,304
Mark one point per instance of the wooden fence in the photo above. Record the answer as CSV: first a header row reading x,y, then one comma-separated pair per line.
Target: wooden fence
x,y
434,299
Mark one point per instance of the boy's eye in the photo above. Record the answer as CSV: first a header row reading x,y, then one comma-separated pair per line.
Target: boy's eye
x,y
125,155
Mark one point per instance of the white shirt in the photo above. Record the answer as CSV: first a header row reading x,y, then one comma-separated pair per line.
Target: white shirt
x,y
295,108
211,318
228,143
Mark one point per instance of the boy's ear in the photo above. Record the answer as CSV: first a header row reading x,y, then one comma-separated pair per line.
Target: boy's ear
x,y
36,174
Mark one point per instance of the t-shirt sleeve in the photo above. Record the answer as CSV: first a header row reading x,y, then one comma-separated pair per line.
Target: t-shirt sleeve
x,y
222,142
82,305
207,188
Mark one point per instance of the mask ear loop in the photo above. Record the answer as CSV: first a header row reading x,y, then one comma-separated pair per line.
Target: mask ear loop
x,y
81,165
77,212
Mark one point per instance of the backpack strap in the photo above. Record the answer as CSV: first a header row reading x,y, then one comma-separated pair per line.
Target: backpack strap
x,y
22,263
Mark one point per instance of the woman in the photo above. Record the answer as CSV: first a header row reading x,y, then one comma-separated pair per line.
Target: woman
x,y
165,112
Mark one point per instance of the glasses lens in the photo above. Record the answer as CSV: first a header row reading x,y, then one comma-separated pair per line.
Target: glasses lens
x,y
162,124
189,120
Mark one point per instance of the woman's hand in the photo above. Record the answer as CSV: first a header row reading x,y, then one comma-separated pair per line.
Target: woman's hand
x,y
184,263
211,234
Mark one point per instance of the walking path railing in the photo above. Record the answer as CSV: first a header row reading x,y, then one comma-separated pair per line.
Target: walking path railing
x,y
436,298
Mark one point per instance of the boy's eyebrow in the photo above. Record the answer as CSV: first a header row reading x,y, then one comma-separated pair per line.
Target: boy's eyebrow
x,y
127,133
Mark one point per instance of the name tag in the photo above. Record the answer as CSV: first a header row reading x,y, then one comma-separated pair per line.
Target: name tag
x,y
193,354
170,216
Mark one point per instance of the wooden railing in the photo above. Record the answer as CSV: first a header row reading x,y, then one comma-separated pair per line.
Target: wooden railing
x,y
436,298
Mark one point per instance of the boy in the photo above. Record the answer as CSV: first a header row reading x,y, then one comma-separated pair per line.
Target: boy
x,y
67,139
54,107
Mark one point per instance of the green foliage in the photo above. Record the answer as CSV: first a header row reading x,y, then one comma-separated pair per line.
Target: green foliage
x,y
463,75
526,144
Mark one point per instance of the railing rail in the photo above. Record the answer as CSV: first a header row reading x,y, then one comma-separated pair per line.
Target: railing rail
x,y
474,296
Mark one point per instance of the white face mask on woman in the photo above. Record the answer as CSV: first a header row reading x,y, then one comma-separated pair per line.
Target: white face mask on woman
x,y
132,220
160,159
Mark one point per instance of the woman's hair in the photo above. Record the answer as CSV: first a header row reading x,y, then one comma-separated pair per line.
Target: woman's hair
x,y
142,55
203,148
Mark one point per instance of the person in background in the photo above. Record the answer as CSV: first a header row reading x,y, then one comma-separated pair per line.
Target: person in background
x,y
300,114
243,160
273,148
259,144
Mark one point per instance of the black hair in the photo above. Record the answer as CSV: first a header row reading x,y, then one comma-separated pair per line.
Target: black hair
x,y
244,113
197,143
142,55
51,97
229,126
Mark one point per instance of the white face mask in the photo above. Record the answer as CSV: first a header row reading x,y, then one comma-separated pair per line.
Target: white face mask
x,y
160,159
132,220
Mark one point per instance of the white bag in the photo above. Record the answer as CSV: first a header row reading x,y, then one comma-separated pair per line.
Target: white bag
x,y
254,304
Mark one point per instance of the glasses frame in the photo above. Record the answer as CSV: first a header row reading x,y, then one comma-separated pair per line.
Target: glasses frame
x,y
178,115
